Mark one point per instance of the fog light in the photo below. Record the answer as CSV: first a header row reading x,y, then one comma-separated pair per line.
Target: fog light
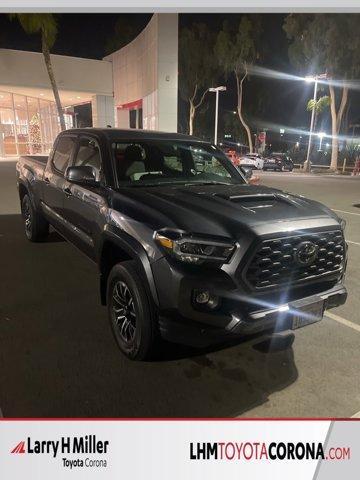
x,y
202,297
205,299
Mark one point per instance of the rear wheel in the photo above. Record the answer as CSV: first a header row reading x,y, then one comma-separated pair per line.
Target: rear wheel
x,y
35,225
131,313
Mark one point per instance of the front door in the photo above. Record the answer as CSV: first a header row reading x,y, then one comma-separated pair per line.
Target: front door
x,y
54,180
84,206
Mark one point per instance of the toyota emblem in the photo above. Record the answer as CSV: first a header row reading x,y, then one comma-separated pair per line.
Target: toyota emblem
x,y
306,253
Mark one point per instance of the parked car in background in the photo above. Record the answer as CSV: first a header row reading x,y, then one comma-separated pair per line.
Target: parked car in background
x,y
253,160
279,162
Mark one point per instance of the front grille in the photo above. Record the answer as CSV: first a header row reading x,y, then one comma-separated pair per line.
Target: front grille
x,y
274,262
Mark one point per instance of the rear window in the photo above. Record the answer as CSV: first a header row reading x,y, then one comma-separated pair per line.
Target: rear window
x,y
62,153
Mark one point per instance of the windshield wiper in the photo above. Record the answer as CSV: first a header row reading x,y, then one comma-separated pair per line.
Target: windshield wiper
x,y
184,183
210,182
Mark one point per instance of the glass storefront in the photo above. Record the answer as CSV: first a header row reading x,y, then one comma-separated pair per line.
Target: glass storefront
x,y
28,125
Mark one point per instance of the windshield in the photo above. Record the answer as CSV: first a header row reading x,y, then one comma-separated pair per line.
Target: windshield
x,y
171,162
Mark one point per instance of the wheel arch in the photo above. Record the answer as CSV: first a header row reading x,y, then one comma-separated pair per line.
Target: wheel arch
x,y
115,249
23,190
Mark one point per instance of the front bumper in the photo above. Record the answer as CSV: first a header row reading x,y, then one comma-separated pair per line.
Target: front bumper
x,y
180,329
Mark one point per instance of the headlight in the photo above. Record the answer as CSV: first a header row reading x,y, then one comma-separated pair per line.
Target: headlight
x,y
194,250
342,224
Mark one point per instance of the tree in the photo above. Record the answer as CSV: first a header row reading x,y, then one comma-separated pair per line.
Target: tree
x,y
318,105
232,126
196,67
236,51
46,25
35,134
327,43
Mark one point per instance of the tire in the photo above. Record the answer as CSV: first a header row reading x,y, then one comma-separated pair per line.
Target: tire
x,y
131,312
35,225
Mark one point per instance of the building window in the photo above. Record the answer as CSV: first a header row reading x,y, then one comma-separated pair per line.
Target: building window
x,y
132,118
28,125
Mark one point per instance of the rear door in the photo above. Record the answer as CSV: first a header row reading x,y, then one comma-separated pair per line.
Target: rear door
x,y
54,179
83,205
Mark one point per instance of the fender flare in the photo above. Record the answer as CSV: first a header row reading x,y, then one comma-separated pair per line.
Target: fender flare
x,y
136,251
25,182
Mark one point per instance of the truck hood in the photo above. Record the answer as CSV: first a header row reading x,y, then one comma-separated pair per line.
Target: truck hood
x,y
224,210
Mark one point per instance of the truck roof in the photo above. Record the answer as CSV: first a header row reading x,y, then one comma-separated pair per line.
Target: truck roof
x,y
133,134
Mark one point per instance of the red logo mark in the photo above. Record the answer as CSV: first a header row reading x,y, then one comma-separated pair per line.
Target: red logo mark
x,y
20,448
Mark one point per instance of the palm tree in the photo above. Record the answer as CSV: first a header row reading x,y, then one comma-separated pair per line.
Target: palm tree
x,y
46,25
319,106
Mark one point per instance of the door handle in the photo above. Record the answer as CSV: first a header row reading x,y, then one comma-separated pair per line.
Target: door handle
x,y
67,191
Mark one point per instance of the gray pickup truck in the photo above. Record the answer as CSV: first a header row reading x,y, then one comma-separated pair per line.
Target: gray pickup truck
x,y
187,250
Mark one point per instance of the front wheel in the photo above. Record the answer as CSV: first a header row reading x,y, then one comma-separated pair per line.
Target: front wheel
x,y
130,310
35,225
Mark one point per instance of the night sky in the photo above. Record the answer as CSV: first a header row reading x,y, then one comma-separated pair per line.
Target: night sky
x,y
85,35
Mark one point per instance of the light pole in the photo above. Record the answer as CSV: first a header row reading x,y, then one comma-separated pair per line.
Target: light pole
x,y
310,79
217,90
321,135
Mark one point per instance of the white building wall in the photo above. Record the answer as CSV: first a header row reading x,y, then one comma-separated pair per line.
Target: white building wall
x,y
122,118
147,70
167,72
102,110
150,112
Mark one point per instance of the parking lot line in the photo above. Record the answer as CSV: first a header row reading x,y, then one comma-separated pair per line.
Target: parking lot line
x,y
343,321
344,211
357,415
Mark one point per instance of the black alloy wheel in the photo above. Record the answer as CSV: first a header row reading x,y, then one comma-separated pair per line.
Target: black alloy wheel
x,y
124,314
131,312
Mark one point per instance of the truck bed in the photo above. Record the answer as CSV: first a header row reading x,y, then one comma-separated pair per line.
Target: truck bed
x,y
37,158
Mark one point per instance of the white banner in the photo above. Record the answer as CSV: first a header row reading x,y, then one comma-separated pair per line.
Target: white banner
x,y
178,449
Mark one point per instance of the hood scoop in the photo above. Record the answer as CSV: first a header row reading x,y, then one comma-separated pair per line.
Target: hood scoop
x,y
257,201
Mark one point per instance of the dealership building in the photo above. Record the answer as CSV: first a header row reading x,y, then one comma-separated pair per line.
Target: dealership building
x,y
134,87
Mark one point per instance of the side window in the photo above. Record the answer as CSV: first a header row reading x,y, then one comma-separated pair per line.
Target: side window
x,y
174,163
89,155
63,152
208,164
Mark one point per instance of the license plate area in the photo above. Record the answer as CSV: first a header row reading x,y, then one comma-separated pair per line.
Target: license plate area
x,y
308,314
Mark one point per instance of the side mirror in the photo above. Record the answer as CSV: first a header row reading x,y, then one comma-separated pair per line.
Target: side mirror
x,y
83,175
247,171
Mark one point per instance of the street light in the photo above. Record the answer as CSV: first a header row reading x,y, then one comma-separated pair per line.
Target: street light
x,y
217,90
310,79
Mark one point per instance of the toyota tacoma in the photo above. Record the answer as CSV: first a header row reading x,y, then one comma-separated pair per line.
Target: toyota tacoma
x,y
187,249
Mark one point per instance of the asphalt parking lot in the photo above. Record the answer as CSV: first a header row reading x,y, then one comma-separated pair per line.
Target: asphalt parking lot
x,y
58,357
